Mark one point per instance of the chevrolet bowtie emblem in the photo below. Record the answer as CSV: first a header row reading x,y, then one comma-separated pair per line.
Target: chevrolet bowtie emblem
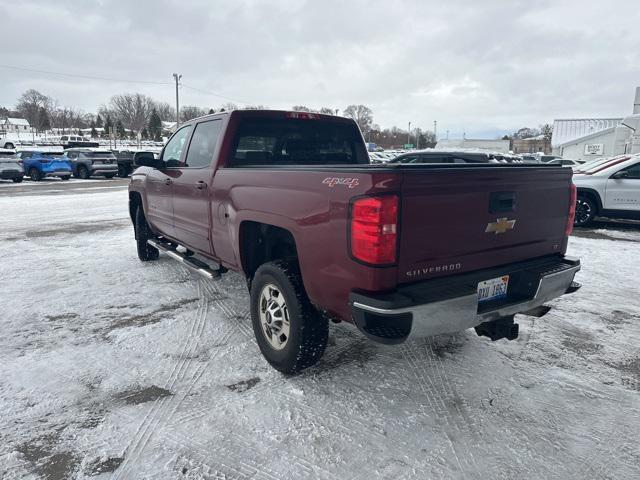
x,y
501,225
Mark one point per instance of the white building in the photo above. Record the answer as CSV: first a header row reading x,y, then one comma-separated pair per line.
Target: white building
x,y
15,125
588,138
501,146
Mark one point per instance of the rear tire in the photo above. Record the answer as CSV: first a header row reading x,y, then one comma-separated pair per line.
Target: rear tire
x,y
109,175
17,180
66,177
586,210
122,171
291,333
35,174
83,172
143,233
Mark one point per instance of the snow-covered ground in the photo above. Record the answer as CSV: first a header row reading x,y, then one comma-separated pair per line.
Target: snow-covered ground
x,y
110,368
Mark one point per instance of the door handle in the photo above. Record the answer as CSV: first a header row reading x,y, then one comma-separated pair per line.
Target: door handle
x,y
168,181
200,185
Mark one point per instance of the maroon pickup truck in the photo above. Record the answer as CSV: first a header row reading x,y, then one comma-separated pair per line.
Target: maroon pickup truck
x,y
290,201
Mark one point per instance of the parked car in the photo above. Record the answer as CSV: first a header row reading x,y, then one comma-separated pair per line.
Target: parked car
x,y
565,162
87,162
41,164
443,156
609,189
127,160
10,166
291,202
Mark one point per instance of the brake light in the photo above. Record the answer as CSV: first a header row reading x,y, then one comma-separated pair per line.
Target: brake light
x,y
374,229
573,196
302,115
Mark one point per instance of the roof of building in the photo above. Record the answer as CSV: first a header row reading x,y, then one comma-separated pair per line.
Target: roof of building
x,y
17,121
590,136
567,129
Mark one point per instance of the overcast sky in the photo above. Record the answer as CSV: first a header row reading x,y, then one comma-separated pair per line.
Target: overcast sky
x,y
477,66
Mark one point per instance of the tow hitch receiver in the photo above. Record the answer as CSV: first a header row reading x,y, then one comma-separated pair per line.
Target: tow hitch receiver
x,y
502,328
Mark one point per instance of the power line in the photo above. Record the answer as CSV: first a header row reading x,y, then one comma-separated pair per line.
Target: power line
x,y
214,94
75,75
120,80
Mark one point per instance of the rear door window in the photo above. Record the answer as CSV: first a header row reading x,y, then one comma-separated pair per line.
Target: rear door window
x,y
203,144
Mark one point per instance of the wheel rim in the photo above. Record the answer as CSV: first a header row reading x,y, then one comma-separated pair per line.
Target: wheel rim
x,y
274,317
583,211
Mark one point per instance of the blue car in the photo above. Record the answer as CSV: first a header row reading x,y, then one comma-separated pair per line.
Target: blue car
x,y
39,165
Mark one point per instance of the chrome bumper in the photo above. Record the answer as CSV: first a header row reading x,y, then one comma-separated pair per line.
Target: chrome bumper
x,y
455,314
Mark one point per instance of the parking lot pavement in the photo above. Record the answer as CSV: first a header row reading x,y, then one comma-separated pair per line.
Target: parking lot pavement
x,y
55,186
130,370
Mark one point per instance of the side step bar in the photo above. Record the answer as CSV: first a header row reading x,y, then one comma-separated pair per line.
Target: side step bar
x,y
189,262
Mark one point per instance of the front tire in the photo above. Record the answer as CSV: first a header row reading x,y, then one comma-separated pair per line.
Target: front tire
x,y
123,171
586,210
35,174
143,233
17,180
109,175
83,172
290,332
65,177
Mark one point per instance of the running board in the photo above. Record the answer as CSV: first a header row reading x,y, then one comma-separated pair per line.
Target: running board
x,y
189,262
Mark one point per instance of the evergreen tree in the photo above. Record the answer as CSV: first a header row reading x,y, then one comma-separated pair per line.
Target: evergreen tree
x,y
145,134
99,121
154,128
211,110
44,123
120,132
107,127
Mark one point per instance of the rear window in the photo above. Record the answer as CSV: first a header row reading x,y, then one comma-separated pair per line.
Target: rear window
x,y
99,155
297,142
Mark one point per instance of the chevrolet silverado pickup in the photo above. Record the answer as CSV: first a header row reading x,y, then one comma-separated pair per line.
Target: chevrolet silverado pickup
x,y
290,201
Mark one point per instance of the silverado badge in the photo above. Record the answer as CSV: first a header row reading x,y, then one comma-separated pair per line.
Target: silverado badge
x,y
501,225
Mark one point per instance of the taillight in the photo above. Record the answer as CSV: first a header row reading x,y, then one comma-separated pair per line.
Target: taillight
x,y
374,229
573,196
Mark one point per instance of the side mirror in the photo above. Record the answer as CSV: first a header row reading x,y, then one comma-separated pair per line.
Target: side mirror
x,y
147,159
621,174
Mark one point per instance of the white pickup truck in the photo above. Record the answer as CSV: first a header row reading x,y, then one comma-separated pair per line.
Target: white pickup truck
x,y
608,188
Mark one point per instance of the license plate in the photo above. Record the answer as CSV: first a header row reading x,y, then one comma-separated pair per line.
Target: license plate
x,y
493,289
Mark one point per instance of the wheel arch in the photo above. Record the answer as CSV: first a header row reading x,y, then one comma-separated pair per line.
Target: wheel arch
x,y
263,242
593,195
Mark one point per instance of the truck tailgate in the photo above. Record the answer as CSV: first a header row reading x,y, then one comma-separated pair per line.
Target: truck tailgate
x,y
465,219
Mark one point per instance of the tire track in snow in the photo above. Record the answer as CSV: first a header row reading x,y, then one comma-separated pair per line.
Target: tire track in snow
x,y
154,417
437,394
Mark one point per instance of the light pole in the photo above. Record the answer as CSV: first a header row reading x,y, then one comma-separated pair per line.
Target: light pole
x,y
177,79
409,135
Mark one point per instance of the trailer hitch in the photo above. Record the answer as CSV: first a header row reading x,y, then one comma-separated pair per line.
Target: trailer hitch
x,y
503,327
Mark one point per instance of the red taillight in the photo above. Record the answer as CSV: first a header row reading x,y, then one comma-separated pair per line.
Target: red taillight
x,y
573,196
374,229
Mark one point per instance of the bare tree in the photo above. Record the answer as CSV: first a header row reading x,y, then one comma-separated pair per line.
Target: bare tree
x,y
166,112
132,109
327,111
362,115
228,107
547,131
301,108
29,105
189,111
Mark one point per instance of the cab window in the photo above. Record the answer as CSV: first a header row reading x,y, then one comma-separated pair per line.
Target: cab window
x,y
173,150
633,171
203,144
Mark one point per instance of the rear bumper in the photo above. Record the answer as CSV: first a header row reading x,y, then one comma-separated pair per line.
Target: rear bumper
x,y
102,169
59,173
11,174
450,304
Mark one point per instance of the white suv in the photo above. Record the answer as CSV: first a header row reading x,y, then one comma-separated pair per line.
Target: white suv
x,y
608,189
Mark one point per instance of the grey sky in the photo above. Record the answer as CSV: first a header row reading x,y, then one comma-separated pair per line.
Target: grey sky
x,y
475,66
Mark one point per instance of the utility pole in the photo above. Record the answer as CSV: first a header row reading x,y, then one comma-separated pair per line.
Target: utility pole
x,y
409,134
177,79
435,130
